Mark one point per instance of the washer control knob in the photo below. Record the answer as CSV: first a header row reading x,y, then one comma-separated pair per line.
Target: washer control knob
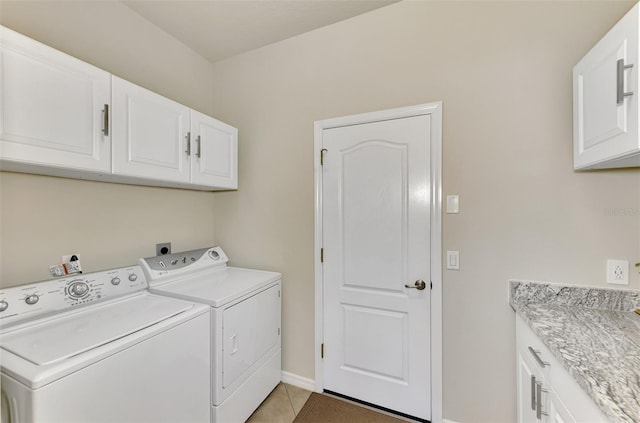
x,y
32,299
115,281
133,277
3,305
214,254
78,289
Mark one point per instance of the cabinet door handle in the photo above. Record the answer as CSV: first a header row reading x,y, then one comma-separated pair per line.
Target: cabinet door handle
x,y
533,392
188,150
539,391
105,120
620,94
539,402
198,145
535,355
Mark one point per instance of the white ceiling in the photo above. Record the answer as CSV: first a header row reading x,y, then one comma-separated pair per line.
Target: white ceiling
x,y
217,29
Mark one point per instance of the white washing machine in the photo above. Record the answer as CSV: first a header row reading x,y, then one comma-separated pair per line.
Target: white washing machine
x,y
99,347
246,340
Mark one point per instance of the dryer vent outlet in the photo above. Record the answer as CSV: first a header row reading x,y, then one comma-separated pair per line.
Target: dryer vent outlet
x,y
163,249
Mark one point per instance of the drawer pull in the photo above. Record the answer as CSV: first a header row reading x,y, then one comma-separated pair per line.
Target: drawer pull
x,y
535,355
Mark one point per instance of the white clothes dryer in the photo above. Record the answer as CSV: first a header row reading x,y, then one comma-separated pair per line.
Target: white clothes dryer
x,y
246,339
99,347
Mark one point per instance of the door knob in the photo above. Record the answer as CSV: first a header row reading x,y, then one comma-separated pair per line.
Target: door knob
x,y
419,285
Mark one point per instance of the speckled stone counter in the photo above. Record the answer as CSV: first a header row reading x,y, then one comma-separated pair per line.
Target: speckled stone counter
x,y
594,334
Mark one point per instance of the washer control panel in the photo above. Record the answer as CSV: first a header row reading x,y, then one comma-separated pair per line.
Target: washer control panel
x,y
171,265
28,301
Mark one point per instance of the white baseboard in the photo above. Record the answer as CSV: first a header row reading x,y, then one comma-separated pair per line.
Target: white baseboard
x,y
298,381
448,421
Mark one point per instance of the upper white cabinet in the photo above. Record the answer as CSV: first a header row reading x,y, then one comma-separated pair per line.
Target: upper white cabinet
x,y
214,155
157,139
605,100
63,117
150,134
54,108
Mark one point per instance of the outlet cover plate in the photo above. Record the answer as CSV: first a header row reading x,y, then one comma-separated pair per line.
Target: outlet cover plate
x,y
618,272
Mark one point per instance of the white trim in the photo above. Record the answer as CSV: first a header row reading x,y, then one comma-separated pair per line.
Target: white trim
x,y
448,421
298,381
435,110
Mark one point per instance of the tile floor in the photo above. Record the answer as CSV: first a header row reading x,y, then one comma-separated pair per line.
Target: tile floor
x,y
281,406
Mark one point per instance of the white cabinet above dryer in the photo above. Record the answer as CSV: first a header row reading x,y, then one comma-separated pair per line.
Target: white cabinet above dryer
x,y
158,139
605,100
150,134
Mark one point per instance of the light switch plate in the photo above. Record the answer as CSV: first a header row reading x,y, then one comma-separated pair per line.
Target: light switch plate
x,y
453,260
453,204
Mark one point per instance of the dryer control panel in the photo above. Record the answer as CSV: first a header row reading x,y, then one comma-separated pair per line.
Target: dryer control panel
x,y
25,302
159,268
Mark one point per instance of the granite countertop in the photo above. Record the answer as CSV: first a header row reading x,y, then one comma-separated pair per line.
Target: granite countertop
x,y
595,335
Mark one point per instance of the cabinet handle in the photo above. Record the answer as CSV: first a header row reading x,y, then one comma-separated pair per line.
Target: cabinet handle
x,y
188,150
620,94
105,120
198,144
535,355
533,392
539,391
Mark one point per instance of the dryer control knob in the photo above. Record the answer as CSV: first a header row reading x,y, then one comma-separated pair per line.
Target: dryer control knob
x,y
214,254
115,281
32,299
133,277
3,305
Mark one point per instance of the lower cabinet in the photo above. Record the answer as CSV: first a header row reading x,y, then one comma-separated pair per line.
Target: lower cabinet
x,y
546,391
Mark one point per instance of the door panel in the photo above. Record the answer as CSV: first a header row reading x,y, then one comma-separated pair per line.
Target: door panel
x,y
376,214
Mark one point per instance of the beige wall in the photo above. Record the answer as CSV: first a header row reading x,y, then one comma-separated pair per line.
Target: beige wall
x,y
503,71
110,225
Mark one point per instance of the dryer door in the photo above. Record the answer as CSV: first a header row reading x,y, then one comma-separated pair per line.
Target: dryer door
x,y
251,329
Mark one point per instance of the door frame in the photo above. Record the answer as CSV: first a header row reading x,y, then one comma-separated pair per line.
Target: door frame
x,y
435,110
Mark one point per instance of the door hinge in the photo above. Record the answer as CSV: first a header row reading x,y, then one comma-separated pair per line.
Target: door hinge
x,y
431,284
322,156
322,350
321,255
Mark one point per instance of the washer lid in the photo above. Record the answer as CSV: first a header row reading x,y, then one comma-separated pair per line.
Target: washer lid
x,y
219,287
55,339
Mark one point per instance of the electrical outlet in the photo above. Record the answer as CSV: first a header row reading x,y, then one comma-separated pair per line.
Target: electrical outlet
x,y
618,272
162,249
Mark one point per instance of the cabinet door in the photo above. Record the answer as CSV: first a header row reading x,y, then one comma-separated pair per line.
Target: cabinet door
x,y
527,400
558,413
214,152
605,120
150,134
52,107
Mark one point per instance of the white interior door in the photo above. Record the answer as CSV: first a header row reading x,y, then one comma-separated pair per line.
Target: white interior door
x,y
376,250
